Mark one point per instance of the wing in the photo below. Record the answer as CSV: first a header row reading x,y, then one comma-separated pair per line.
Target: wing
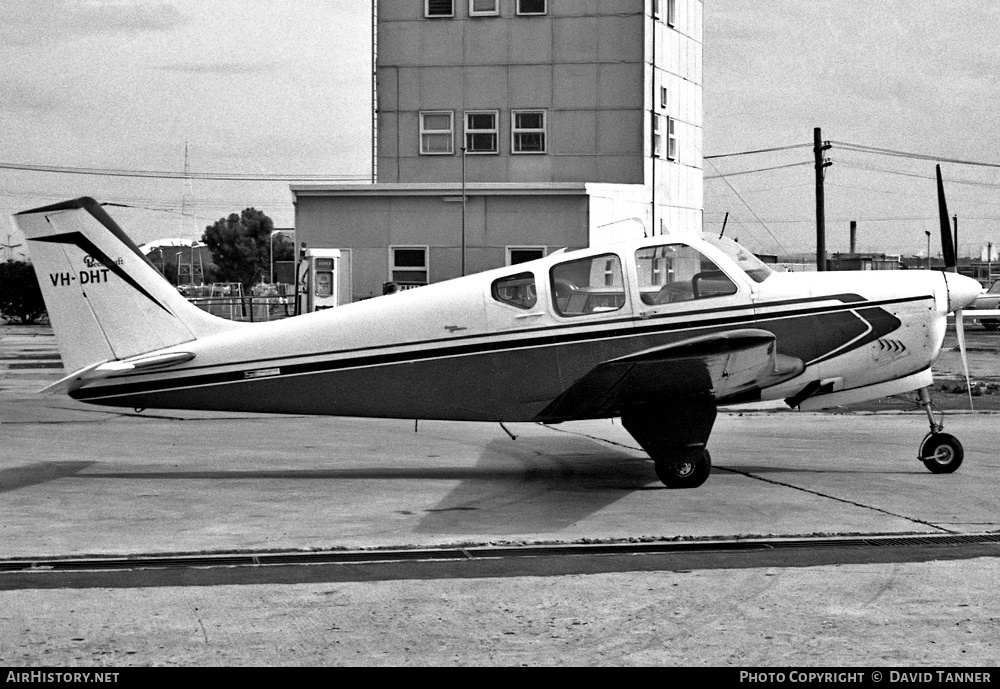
x,y
729,367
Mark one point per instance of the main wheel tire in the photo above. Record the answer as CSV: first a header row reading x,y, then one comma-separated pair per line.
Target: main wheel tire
x,y
685,472
941,453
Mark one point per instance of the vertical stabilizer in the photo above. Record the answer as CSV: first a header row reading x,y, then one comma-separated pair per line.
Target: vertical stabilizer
x,y
105,299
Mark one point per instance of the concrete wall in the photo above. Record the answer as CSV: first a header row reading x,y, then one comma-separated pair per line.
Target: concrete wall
x,y
369,224
674,63
583,64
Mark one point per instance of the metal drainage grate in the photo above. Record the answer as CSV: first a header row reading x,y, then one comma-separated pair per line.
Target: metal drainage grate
x,y
181,561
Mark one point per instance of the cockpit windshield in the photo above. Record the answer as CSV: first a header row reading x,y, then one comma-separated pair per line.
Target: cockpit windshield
x,y
751,265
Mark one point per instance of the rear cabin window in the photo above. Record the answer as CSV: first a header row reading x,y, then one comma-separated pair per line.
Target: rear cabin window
x,y
676,273
587,286
516,290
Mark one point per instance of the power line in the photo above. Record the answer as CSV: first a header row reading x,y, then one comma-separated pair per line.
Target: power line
x,y
913,156
761,150
861,148
901,173
166,174
792,221
171,203
750,172
752,212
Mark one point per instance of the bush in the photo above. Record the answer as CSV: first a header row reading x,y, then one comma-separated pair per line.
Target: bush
x,y
20,296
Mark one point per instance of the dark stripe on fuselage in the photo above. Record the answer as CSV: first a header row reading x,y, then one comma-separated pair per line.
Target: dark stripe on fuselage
x,y
556,336
632,325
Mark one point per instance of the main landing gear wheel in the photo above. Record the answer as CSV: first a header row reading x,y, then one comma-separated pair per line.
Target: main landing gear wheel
x,y
686,472
941,453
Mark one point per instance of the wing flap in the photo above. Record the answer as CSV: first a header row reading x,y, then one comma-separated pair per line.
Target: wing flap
x,y
727,367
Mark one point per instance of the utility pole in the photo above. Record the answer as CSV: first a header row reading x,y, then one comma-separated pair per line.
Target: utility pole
x,y
819,147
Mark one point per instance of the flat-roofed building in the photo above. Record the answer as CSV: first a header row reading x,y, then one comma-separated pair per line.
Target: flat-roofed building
x,y
520,127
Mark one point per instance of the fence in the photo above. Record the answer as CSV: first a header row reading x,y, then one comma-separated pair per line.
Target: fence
x,y
250,309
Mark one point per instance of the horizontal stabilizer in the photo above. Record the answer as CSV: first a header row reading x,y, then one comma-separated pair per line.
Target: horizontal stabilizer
x,y
109,369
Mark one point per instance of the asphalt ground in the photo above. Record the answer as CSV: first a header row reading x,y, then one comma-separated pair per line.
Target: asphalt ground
x,y
78,480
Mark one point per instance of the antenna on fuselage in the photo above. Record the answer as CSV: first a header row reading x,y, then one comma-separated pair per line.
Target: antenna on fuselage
x,y
724,223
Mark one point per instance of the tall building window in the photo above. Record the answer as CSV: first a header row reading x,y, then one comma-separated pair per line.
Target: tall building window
x,y
528,131
436,133
408,265
532,7
657,138
481,132
439,8
484,8
671,139
671,12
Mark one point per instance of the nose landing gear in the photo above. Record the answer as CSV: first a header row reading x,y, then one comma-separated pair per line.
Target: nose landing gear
x,y
940,452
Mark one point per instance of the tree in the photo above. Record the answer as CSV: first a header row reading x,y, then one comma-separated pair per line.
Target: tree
x,y
241,247
20,295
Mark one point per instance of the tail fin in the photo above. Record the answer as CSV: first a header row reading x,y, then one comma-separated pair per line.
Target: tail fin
x,y
105,299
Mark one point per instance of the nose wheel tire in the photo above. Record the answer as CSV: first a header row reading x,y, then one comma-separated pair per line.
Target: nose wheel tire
x,y
941,453
688,471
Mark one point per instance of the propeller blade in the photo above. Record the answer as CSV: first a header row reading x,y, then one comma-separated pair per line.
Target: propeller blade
x,y
947,242
960,331
951,264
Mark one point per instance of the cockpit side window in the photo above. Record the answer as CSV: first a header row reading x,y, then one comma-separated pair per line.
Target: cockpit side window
x,y
588,285
516,290
676,272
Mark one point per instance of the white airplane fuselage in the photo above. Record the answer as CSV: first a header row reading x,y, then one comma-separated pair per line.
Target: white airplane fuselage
x,y
453,351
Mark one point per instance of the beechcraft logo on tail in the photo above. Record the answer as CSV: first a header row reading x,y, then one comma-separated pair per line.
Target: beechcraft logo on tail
x,y
95,274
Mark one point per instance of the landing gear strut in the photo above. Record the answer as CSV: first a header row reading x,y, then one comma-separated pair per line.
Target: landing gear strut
x,y
674,436
940,452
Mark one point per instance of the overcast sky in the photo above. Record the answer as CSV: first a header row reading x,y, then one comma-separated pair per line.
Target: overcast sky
x,y
282,87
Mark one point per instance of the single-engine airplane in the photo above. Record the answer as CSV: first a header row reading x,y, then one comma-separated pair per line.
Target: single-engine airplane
x,y
659,332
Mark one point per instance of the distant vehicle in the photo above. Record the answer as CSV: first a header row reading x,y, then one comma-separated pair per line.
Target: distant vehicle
x,y
988,300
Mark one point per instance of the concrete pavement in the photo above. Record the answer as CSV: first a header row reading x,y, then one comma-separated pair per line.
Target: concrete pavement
x,y
78,479
84,480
